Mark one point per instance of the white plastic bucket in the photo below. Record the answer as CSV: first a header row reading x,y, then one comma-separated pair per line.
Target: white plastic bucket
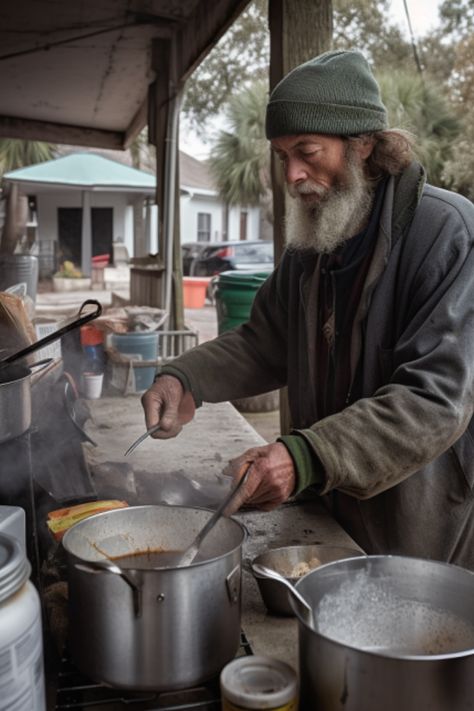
x,y
92,385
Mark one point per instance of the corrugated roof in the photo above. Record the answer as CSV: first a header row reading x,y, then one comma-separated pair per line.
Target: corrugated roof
x,y
85,170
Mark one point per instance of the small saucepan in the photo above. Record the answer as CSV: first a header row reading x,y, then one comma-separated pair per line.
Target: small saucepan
x,y
15,398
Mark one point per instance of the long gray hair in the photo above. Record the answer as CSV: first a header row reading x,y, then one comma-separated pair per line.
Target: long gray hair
x,y
392,152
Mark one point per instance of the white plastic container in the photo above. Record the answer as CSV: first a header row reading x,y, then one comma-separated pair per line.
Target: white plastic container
x,y
92,387
254,683
21,643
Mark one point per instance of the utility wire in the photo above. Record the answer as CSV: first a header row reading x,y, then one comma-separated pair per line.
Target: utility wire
x,y
412,39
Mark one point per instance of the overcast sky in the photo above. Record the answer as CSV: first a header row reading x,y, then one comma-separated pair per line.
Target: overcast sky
x,y
423,15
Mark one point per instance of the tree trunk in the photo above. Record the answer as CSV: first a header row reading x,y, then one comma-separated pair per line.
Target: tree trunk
x,y
11,229
298,32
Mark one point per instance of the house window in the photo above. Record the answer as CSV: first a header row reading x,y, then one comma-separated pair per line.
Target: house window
x,y
204,227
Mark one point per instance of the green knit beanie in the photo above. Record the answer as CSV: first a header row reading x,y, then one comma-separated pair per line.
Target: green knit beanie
x,y
334,93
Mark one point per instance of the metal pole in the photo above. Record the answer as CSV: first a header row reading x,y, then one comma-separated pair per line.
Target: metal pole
x,y
171,156
86,236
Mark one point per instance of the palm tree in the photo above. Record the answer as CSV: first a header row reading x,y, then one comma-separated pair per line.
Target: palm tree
x,y
239,158
419,106
16,154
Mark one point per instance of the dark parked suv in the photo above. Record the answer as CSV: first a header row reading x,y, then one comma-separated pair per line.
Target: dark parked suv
x,y
251,255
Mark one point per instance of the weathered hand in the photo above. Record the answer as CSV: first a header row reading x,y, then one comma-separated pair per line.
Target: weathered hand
x,y
272,478
165,403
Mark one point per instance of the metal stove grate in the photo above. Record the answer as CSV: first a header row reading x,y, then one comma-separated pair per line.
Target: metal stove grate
x,y
76,693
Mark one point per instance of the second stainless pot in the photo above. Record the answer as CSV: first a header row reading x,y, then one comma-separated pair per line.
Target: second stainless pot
x,y
160,629
390,633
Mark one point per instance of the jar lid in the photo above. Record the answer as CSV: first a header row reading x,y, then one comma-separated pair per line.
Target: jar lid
x,y
15,568
255,682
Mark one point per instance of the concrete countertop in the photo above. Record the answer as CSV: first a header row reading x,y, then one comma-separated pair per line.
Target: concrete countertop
x,y
186,470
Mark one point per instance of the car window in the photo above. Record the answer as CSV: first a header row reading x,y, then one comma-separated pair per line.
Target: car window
x,y
254,253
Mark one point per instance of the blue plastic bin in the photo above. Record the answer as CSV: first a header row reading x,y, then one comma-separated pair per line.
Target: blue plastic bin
x,y
141,344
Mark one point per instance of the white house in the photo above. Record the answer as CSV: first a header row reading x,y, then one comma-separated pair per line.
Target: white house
x,y
84,204
203,214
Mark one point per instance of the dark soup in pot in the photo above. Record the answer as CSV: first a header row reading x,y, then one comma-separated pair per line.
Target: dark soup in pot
x,y
146,560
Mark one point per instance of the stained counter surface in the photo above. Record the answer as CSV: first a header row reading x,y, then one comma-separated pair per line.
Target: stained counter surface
x,y
187,470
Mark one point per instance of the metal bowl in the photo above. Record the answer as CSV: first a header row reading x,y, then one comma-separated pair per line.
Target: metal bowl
x,y
285,560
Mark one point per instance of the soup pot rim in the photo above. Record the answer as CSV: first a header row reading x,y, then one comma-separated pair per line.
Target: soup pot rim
x,y
372,653
193,565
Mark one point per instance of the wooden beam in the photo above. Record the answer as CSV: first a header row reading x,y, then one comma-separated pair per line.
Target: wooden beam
x,y
203,30
138,122
30,130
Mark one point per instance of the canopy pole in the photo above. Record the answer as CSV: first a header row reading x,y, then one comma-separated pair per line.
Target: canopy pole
x,y
171,156
86,234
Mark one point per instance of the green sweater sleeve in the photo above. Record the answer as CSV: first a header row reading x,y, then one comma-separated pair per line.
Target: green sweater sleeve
x,y
309,469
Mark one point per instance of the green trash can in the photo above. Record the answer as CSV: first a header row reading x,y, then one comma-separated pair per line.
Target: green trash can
x,y
234,294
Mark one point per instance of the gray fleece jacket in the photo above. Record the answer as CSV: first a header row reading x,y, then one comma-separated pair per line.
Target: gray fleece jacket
x,y
399,462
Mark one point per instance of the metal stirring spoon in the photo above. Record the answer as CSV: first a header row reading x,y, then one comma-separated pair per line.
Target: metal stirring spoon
x,y
138,441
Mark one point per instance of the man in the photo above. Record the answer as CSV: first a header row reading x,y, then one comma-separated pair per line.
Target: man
x,y
369,320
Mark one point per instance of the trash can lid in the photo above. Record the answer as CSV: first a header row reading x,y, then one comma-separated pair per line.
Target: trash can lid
x,y
242,278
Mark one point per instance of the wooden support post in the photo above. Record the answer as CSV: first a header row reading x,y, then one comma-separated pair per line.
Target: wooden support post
x,y
297,33
164,93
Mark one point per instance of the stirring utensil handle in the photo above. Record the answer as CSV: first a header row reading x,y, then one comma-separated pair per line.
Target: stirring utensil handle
x,y
138,441
71,324
190,553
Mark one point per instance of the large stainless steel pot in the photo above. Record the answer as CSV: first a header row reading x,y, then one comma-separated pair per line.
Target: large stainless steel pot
x,y
161,629
15,399
368,657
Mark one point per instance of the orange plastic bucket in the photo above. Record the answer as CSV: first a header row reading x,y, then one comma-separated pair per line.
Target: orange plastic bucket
x,y
194,291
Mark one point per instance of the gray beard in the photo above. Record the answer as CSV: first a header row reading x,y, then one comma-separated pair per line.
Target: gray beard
x,y
340,215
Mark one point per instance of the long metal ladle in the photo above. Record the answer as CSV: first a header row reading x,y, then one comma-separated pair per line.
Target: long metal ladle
x,y
187,557
304,607
179,560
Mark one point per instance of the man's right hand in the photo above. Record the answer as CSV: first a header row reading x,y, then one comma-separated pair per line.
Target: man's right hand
x,y
167,404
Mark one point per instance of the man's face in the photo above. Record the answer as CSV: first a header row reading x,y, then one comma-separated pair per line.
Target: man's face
x,y
313,164
332,196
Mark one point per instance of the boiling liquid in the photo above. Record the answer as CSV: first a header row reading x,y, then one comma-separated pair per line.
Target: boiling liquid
x,y
366,615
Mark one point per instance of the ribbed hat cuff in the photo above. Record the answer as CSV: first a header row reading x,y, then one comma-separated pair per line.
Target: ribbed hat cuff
x,y
290,118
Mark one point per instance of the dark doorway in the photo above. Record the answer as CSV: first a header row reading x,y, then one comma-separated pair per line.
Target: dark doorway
x,y
102,231
70,232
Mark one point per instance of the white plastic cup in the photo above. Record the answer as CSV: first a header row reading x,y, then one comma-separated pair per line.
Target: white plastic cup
x,y
92,385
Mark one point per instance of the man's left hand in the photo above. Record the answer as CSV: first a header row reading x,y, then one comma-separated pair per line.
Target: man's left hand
x,y
272,478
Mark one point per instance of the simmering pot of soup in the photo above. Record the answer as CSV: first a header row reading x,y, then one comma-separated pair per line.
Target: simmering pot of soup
x,y
136,621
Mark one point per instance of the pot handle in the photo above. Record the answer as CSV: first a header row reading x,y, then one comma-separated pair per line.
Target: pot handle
x,y
233,584
97,567
40,364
